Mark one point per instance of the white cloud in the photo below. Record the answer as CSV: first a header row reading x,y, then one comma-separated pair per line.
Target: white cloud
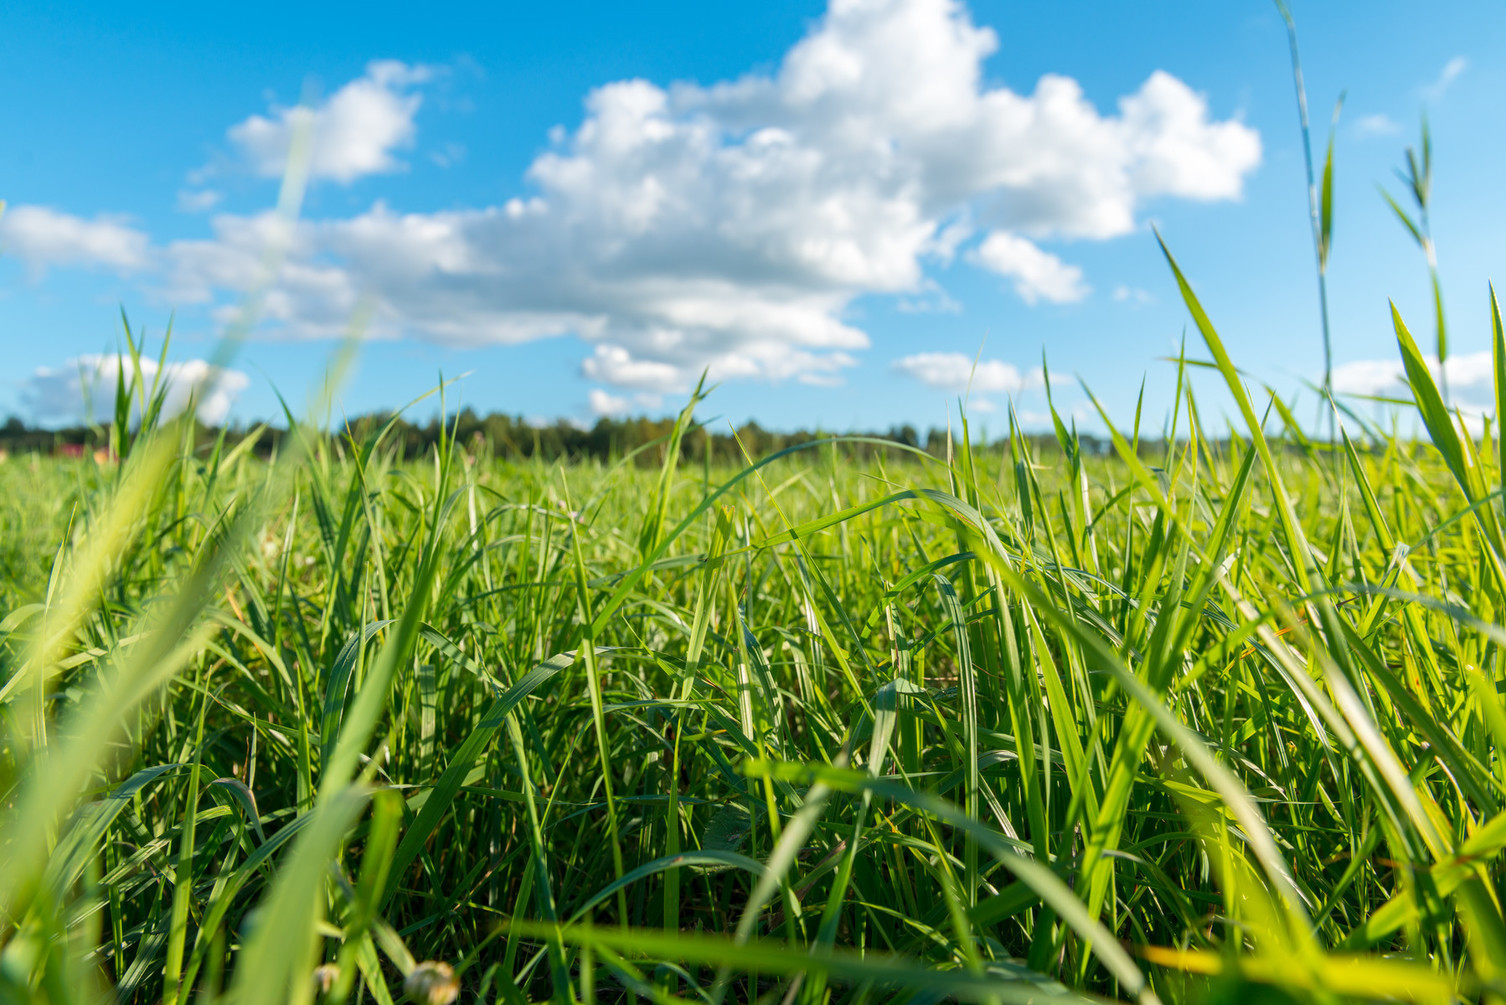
x,y
1387,377
354,133
83,388
314,297
1450,73
612,364
198,200
1369,376
1037,274
603,402
1172,148
43,237
606,403
730,227
955,372
1379,124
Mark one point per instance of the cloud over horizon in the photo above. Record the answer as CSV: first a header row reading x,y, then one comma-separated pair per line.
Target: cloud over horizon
x,y
958,373
727,227
1388,377
83,388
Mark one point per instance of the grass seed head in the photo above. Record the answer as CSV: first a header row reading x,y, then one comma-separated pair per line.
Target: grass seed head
x,y
432,983
326,976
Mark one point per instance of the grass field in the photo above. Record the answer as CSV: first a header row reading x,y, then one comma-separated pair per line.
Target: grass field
x,y
1218,720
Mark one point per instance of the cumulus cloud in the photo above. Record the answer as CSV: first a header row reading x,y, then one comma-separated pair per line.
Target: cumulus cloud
x,y
317,297
354,133
955,372
605,403
1369,377
1037,274
608,404
729,227
83,388
613,364
43,237
1388,377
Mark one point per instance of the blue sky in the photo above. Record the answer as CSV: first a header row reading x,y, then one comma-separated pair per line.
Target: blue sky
x,y
582,206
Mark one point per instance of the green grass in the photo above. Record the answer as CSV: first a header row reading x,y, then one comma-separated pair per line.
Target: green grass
x,y
1220,723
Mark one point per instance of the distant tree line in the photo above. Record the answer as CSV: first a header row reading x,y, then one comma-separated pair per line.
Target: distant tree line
x,y
513,438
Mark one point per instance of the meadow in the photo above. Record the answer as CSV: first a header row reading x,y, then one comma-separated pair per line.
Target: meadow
x,y
1217,716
